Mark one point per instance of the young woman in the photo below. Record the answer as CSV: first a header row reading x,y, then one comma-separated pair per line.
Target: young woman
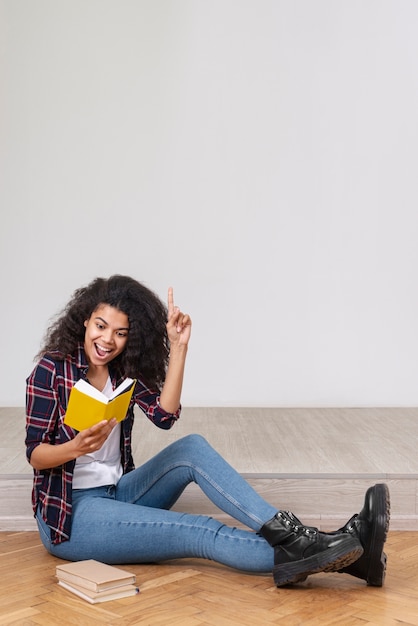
x,y
90,502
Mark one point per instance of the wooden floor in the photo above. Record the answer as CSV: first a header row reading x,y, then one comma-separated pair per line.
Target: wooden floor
x,y
315,462
200,593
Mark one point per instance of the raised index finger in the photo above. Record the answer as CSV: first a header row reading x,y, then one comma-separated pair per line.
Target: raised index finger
x,y
170,302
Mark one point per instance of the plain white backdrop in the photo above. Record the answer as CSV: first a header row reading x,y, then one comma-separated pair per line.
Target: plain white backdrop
x,y
261,156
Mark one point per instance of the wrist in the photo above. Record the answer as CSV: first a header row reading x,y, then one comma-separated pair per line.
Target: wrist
x,y
177,350
72,449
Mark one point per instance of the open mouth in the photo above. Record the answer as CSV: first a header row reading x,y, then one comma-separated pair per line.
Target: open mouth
x,y
102,352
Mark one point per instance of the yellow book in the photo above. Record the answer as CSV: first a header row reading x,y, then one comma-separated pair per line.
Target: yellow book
x,y
88,406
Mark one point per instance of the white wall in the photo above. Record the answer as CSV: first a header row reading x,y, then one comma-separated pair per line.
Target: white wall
x,y
259,155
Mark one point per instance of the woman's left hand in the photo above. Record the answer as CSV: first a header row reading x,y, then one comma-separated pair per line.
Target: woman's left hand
x,y
179,324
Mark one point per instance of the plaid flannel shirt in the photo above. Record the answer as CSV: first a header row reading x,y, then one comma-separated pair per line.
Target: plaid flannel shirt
x,y
47,392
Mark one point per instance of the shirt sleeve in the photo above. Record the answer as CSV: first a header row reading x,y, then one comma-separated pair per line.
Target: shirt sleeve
x,y
148,401
42,406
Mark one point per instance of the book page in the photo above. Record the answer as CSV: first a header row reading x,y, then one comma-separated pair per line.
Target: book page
x,y
122,387
85,387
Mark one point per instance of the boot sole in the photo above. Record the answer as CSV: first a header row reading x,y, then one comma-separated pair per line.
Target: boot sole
x,y
375,557
371,567
327,561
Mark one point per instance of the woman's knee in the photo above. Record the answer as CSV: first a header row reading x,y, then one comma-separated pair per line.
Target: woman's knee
x,y
194,443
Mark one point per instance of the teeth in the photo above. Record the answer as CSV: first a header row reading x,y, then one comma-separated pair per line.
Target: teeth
x,y
101,348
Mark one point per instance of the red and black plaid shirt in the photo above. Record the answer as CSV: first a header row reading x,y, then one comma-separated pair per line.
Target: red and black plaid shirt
x,y
47,392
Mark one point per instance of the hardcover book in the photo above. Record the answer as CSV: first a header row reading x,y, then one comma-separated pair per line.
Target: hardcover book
x,y
94,575
100,596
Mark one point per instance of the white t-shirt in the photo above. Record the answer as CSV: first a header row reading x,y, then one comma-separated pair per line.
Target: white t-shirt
x,y
102,467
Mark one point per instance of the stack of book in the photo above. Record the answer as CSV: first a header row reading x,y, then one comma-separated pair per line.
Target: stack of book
x,y
96,582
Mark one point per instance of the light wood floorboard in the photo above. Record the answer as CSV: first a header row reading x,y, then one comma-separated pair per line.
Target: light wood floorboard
x,y
194,592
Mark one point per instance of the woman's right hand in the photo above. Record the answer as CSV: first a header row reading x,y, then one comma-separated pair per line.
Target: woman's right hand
x,y
46,456
92,439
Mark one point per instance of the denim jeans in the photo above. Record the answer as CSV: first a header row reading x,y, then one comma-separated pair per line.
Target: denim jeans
x,y
132,521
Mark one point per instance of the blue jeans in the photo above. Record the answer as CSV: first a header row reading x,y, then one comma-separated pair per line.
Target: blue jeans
x,y
132,522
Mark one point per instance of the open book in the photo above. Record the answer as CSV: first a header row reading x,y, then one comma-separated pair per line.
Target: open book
x,y
88,406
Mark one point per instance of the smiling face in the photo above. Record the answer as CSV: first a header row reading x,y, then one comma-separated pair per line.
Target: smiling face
x,y
106,335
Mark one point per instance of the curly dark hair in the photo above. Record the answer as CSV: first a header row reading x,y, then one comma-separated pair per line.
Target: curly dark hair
x,y
147,348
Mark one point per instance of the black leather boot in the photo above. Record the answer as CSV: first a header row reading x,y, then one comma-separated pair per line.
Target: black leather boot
x,y
302,550
371,526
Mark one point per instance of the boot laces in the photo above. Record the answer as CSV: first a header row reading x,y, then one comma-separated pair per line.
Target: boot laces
x,y
352,523
296,525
